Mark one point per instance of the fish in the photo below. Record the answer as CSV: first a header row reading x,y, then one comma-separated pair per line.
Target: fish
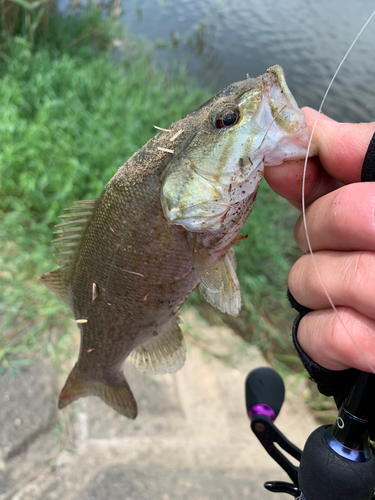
x,y
165,223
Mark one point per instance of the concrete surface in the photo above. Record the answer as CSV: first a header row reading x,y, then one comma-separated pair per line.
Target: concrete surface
x,y
191,440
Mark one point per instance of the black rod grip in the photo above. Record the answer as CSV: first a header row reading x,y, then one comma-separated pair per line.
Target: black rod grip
x,y
323,474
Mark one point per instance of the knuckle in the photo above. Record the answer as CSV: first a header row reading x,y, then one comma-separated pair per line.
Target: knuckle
x,y
338,334
347,334
350,211
298,275
337,214
358,272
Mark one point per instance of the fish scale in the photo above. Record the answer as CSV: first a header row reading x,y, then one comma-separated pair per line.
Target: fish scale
x,y
165,222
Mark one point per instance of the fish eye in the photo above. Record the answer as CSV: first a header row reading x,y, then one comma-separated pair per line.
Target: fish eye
x,y
226,118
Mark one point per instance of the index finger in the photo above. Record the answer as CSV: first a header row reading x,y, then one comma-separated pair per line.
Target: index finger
x,y
342,148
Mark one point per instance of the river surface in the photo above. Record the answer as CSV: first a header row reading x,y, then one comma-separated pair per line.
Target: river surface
x,y
220,41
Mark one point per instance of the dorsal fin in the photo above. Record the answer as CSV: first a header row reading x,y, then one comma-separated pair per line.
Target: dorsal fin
x,y
54,281
227,300
69,236
70,231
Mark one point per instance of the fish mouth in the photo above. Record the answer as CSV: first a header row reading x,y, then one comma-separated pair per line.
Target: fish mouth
x,y
286,122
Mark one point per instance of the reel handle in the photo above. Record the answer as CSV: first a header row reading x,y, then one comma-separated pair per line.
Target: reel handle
x,y
264,392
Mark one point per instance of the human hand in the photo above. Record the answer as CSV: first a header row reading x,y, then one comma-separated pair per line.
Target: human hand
x,y
340,218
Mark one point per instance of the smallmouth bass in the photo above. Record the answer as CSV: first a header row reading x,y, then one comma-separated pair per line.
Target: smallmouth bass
x,y
165,223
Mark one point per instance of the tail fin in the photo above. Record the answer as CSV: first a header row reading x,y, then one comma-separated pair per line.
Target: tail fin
x,y
116,394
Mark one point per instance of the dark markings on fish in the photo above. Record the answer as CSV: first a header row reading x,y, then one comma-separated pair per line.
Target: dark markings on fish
x,y
241,163
225,153
239,237
230,188
251,163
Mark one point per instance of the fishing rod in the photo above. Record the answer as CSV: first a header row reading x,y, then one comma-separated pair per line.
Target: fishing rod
x,y
337,462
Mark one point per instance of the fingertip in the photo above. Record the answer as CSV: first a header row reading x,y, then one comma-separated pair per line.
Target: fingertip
x,y
311,115
338,340
342,146
318,344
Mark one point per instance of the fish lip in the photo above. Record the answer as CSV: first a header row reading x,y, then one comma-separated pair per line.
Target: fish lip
x,y
175,216
279,72
194,222
274,84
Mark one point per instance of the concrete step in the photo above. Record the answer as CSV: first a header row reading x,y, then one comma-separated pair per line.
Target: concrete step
x,y
191,438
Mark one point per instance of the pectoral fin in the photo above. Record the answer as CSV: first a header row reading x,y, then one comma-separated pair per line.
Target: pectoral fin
x,y
207,270
227,300
163,353
115,393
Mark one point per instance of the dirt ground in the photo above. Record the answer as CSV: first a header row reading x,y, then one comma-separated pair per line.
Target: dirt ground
x,y
191,439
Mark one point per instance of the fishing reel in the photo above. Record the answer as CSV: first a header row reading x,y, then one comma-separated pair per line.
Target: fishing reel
x,y
337,462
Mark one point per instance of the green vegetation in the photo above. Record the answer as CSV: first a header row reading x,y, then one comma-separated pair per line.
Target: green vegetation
x,y
73,109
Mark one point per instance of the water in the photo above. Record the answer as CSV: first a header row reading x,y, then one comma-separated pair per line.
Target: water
x,y
222,40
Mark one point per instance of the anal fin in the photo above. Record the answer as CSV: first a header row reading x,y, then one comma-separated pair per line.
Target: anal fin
x,y
163,353
115,393
227,300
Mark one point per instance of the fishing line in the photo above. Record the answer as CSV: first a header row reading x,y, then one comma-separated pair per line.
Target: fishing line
x,y
372,369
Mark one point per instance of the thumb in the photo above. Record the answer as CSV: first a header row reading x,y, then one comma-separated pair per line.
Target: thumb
x,y
342,146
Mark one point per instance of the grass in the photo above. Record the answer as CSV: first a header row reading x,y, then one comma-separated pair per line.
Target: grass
x,y
73,109
69,120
